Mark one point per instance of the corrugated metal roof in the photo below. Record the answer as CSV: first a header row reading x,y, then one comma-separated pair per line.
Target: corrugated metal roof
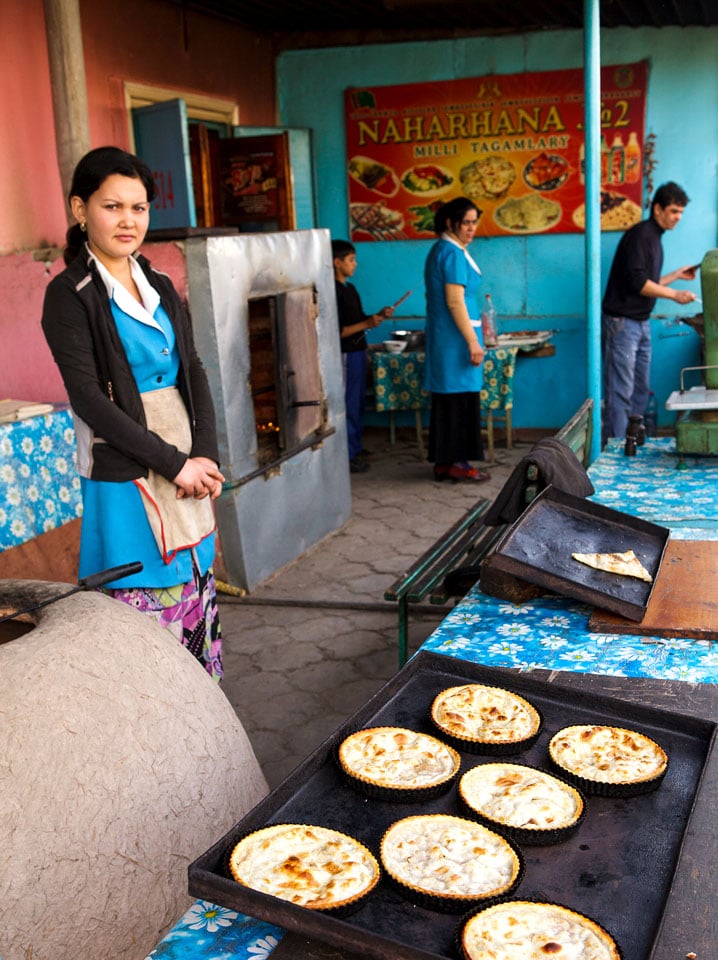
x,y
304,23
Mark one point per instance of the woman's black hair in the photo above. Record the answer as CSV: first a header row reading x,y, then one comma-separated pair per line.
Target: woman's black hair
x,y
453,213
90,173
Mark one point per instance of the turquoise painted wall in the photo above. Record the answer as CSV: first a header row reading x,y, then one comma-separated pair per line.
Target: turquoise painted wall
x,y
537,282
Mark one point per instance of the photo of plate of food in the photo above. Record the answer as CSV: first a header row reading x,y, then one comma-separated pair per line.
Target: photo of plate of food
x,y
487,179
546,171
423,217
531,213
617,212
426,179
373,175
379,221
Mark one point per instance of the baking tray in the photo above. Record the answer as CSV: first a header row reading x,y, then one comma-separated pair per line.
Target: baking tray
x,y
538,548
617,868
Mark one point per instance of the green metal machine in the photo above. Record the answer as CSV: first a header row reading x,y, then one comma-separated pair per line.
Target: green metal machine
x,y
697,424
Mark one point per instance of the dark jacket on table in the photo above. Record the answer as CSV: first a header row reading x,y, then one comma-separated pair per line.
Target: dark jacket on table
x,y
80,330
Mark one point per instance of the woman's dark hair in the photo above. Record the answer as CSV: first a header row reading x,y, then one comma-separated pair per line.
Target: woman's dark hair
x,y
669,193
90,173
453,213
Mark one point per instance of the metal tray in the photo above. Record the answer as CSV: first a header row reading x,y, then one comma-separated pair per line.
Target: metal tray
x,y
538,548
617,868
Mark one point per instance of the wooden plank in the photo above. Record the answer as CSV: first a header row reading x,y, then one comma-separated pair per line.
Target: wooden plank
x,y
683,602
50,556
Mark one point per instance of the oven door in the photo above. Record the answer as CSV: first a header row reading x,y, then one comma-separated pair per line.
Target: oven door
x,y
302,408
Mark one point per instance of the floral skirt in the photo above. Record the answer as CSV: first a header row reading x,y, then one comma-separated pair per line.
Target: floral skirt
x,y
189,611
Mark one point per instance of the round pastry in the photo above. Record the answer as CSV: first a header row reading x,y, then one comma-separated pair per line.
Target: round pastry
x,y
529,805
311,866
484,719
394,763
449,863
610,761
530,931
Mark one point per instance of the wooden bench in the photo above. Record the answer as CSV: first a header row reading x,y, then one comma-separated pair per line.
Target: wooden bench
x,y
469,540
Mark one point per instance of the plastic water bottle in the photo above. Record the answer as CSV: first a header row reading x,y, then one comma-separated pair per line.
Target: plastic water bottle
x,y
488,323
650,417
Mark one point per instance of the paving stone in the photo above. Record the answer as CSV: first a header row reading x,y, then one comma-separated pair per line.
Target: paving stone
x,y
295,673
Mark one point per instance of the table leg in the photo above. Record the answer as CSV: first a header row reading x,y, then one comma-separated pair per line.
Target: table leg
x,y
392,428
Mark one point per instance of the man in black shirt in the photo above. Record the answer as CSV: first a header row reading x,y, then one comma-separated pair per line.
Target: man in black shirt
x,y
634,284
353,324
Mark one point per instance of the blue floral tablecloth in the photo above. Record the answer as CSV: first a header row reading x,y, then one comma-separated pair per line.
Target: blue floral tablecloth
x,y
209,932
399,380
652,486
548,633
39,485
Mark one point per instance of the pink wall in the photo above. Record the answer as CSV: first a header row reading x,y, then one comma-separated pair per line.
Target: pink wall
x,y
30,191
146,44
124,40
27,370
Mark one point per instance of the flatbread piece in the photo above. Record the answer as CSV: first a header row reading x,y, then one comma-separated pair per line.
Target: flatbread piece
x,y
624,564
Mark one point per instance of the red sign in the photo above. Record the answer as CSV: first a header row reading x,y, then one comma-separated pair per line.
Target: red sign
x,y
513,143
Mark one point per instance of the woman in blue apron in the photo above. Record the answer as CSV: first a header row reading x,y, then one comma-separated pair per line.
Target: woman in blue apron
x,y
146,438
454,345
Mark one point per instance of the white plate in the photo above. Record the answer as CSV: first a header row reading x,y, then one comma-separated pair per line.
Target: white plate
x,y
525,340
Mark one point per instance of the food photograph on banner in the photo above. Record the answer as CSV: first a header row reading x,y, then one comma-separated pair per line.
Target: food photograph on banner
x,y
514,144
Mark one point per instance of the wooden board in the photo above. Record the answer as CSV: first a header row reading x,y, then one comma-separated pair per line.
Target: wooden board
x,y
684,602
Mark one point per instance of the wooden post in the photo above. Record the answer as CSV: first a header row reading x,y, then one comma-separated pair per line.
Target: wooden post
x,y
69,92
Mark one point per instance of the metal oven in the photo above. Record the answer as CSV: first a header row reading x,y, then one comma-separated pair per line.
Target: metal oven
x,y
264,312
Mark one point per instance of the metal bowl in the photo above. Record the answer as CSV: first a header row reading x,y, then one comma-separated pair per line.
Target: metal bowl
x,y
414,339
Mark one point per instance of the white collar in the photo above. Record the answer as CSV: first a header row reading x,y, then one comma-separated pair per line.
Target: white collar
x,y
452,239
144,312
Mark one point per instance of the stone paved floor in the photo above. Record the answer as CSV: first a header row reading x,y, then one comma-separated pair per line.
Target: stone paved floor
x,y
317,640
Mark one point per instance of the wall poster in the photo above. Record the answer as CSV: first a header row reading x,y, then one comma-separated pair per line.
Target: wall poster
x,y
512,143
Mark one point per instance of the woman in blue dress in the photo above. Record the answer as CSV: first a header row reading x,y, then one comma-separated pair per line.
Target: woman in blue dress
x,y
146,438
454,346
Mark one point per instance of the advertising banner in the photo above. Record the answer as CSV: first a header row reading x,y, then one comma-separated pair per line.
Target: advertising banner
x,y
512,143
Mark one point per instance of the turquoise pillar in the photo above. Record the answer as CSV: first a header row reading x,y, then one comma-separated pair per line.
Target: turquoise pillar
x,y
592,125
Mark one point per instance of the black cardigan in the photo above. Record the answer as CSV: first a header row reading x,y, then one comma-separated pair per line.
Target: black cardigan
x,y
80,330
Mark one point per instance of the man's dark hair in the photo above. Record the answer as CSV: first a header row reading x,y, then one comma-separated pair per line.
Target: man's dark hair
x,y
341,249
669,193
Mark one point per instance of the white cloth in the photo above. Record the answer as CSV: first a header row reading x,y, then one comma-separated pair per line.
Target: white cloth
x,y
176,524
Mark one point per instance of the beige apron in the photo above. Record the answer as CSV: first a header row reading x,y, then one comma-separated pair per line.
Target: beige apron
x,y
176,524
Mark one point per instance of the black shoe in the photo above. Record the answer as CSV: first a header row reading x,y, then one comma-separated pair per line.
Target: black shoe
x,y
358,465
363,454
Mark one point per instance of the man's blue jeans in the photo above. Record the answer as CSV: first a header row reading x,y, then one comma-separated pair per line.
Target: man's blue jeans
x,y
626,351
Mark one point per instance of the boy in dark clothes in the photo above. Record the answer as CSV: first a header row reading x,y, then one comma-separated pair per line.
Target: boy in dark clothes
x,y
353,323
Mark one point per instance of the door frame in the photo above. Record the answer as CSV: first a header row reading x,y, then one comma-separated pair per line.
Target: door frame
x,y
199,107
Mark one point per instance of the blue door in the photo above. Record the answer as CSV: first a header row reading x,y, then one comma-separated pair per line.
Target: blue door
x,y
162,141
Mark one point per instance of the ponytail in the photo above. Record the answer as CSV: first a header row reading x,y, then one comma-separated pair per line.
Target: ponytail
x,y
74,244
